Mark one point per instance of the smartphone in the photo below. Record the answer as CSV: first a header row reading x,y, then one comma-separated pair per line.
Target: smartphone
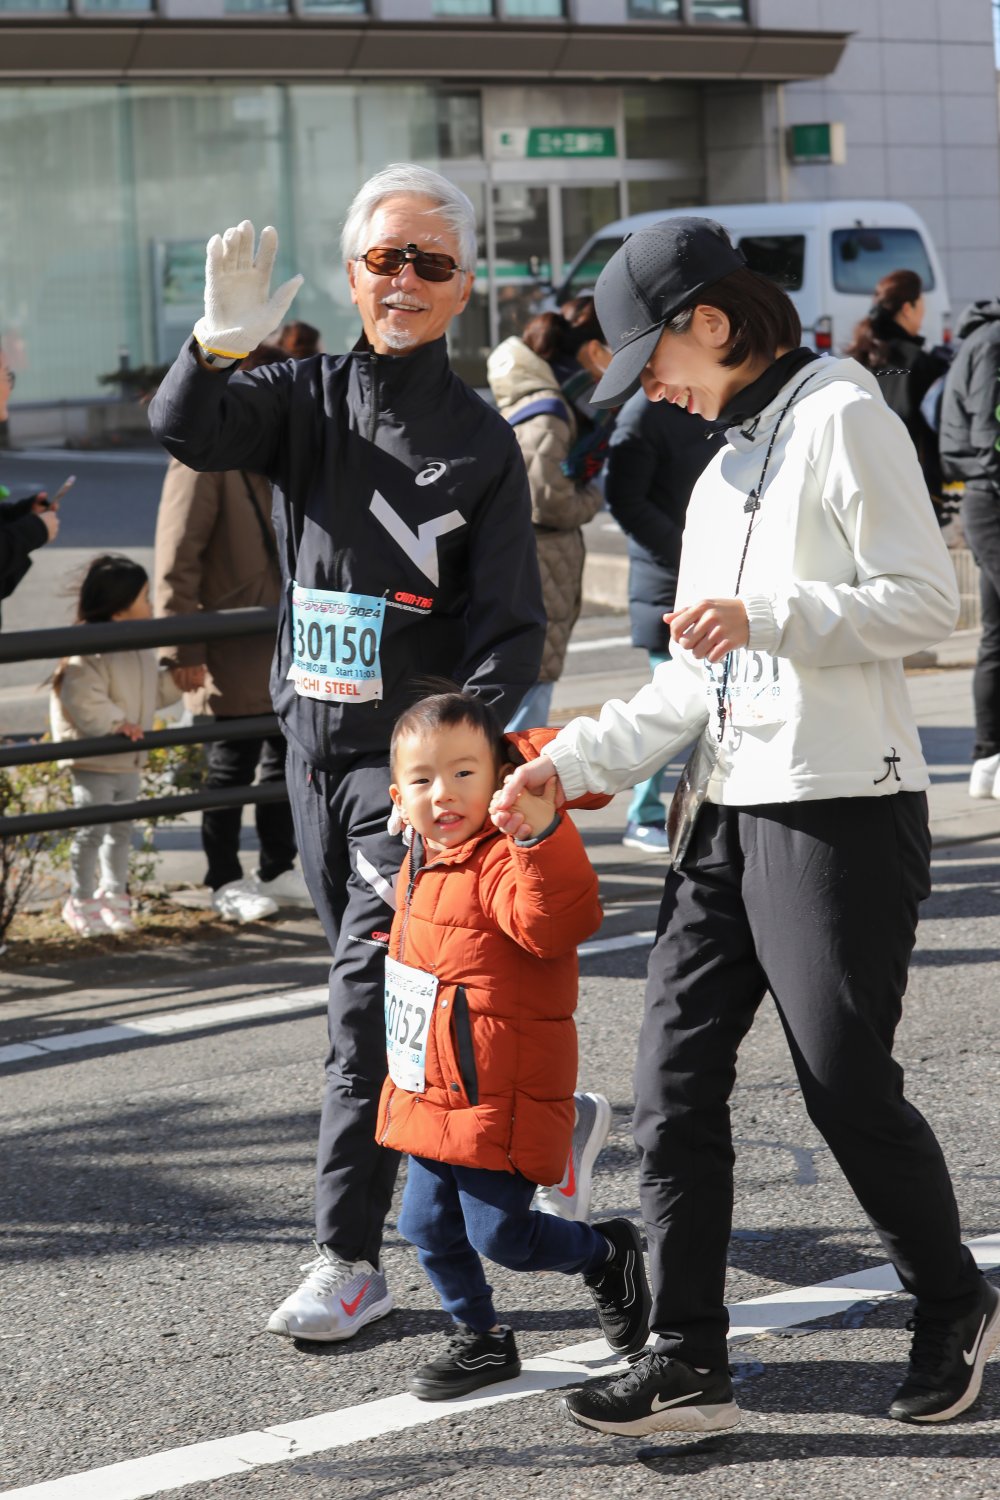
x,y
67,484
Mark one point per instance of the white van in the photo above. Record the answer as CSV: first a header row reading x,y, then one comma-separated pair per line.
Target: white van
x,y
828,257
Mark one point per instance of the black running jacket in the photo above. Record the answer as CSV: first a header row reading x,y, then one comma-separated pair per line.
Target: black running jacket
x,y
392,478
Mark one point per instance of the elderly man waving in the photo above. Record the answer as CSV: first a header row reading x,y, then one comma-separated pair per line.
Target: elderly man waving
x,y
403,525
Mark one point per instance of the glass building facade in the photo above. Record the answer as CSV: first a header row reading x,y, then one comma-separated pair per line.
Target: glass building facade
x,y
112,190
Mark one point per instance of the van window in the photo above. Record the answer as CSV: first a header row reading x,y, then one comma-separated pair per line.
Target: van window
x,y
779,257
861,257
586,273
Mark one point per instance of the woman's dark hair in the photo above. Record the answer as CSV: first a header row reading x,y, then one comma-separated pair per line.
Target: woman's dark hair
x,y
299,340
762,319
111,583
265,354
581,315
559,335
873,335
443,711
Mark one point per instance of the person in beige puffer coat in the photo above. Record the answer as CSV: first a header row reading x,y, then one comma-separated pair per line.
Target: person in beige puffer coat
x,y
527,391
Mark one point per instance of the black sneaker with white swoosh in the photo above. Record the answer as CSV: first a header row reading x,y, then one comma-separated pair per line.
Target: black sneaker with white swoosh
x,y
946,1362
658,1394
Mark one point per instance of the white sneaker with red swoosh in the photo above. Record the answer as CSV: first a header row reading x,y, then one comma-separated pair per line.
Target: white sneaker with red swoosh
x,y
570,1198
336,1299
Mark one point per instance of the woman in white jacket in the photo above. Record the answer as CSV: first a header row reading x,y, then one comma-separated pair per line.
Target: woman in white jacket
x,y
811,564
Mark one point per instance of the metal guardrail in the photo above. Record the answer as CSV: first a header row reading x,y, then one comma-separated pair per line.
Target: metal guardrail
x,y
132,635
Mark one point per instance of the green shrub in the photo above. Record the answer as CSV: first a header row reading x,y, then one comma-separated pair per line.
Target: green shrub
x,y
27,859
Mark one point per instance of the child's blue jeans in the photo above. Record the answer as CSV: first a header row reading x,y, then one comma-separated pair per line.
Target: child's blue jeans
x,y
455,1214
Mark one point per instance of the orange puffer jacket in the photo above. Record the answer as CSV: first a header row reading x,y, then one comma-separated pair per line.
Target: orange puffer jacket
x,y
498,924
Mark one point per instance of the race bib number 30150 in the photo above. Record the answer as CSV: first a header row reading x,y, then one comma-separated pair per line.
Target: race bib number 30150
x,y
409,1001
336,644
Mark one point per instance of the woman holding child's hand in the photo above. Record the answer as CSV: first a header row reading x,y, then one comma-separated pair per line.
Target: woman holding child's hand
x,y
812,564
517,806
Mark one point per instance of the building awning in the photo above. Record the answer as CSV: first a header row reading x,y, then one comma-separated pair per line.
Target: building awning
x,y
64,49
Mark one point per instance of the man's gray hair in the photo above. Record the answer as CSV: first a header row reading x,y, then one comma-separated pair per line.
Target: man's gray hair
x,y
405,178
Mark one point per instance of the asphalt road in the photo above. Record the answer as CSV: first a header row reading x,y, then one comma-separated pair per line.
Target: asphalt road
x,y
157,1202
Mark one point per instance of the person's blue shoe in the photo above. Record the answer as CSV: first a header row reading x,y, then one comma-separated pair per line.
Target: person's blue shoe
x,y
646,836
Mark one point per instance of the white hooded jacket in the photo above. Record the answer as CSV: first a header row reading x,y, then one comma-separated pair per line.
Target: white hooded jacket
x,y
845,574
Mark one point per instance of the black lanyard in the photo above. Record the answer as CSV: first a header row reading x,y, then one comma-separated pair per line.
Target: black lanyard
x,y
751,506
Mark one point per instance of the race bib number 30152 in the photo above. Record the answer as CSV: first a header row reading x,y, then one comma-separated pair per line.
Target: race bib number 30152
x,y
336,645
409,1001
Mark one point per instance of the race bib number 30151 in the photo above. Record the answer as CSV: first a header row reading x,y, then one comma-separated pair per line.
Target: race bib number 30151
x,y
409,1001
336,645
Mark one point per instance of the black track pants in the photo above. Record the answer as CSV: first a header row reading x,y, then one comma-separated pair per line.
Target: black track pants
x,y
350,865
234,763
817,903
981,524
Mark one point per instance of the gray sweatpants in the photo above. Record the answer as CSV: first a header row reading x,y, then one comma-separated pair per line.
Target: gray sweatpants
x,y
99,854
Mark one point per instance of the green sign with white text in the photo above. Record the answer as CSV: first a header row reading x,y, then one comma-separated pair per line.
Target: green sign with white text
x,y
572,140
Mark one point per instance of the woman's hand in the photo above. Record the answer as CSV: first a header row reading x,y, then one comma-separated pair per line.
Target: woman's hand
x,y
130,731
710,629
535,777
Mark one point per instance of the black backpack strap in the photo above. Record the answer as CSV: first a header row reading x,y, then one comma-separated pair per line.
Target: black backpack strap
x,y
265,531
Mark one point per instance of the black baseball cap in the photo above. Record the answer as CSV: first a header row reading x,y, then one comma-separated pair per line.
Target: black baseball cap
x,y
656,272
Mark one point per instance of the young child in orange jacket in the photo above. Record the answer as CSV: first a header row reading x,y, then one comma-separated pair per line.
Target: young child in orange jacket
x,y
481,986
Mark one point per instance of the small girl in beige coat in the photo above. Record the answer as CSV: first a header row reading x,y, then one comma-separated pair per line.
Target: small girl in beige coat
x,y
116,692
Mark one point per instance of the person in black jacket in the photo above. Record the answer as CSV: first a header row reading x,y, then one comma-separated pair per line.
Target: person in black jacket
x,y
969,436
656,454
888,342
25,525
403,526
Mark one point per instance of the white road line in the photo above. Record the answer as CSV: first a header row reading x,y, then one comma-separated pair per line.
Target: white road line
x,y
612,944
72,457
172,1023
603,643
202,1462
169,1023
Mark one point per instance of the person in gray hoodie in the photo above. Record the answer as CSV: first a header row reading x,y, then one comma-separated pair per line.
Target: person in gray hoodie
x,y
968,442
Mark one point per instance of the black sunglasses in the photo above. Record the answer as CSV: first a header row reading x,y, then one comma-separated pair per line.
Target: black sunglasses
x,y
428,265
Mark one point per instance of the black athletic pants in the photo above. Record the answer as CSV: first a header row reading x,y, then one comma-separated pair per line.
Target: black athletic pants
x,y
350,864
981,524
815,902
234,763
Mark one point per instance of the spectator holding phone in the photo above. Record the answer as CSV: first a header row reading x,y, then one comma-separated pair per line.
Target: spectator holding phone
x,y
25,525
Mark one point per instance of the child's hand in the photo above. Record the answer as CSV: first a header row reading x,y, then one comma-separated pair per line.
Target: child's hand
x,y
530,815
130,731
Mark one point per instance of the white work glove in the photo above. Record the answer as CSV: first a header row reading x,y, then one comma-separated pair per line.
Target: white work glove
x,y
240,311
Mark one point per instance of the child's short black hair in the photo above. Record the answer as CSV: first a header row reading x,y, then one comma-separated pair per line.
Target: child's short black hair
x,y
442,711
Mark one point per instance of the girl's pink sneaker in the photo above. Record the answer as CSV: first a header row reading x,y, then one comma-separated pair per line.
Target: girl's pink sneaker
x,y
115,912
83,916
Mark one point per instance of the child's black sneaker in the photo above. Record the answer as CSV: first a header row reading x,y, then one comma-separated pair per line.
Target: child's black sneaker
x,y
658,1394
467,1362
946,1362
620,1289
